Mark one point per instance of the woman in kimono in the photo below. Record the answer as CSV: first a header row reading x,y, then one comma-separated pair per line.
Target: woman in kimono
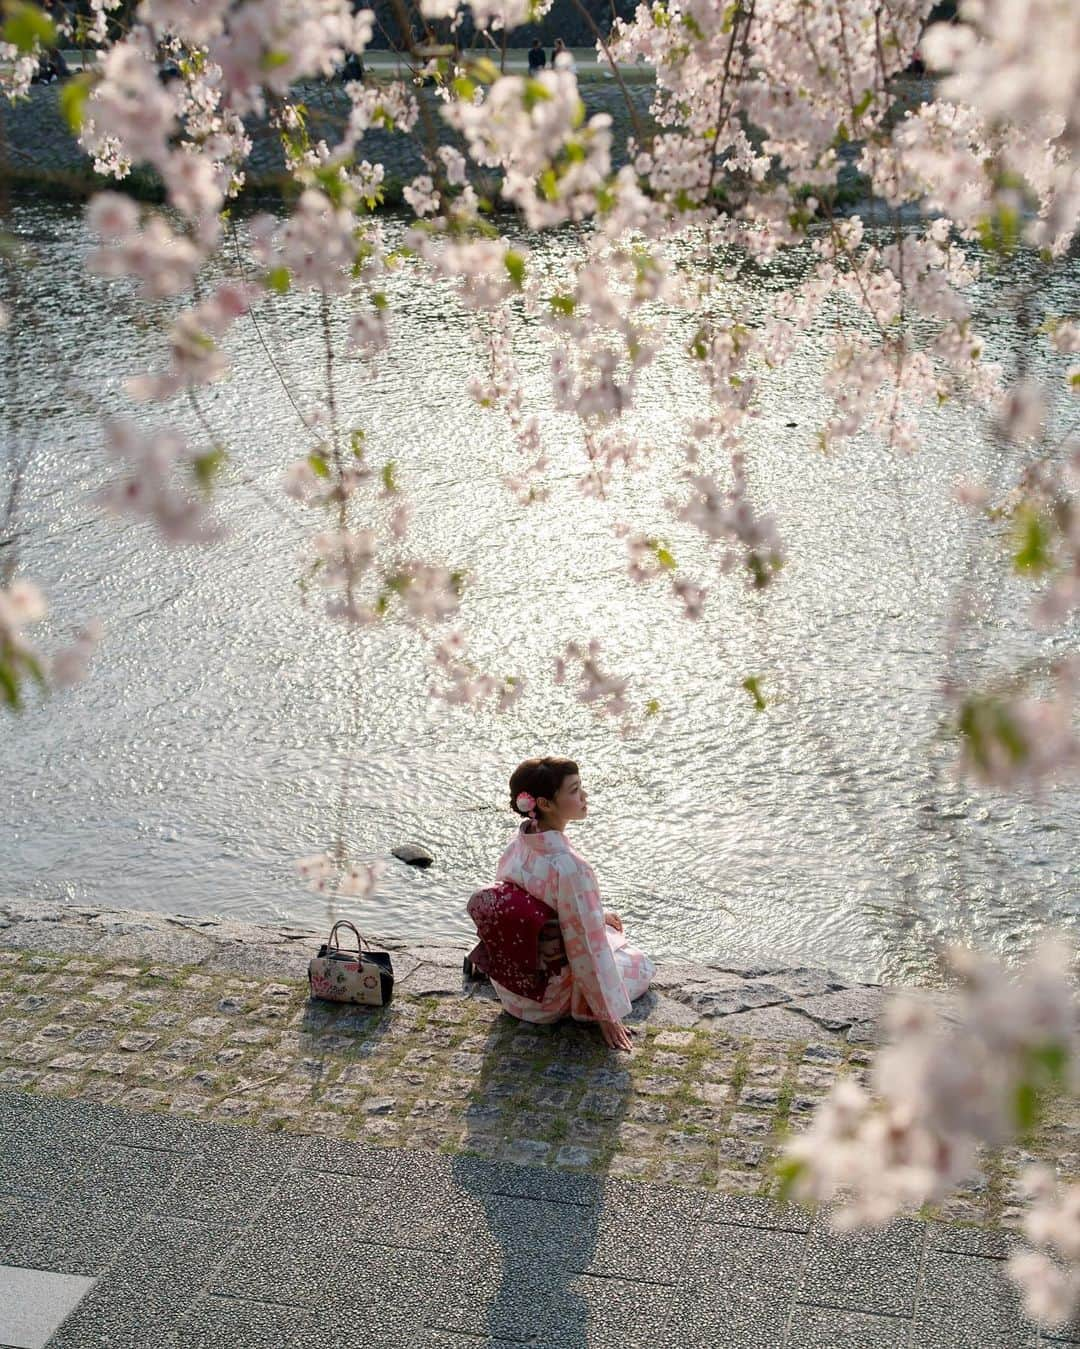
x,y
592,972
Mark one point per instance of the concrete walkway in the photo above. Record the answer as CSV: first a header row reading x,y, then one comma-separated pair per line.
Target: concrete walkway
x,y
191,1153
201,1235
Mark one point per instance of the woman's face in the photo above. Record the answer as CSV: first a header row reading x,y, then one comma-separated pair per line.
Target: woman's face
x,y
570,801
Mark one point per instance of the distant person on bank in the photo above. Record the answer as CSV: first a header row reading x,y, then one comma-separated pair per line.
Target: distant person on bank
x,y
537,57
573,950
562,58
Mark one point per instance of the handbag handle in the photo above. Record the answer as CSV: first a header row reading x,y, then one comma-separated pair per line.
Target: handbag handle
x,y
342,922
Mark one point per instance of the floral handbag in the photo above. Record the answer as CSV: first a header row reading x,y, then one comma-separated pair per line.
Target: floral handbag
x,y
351,976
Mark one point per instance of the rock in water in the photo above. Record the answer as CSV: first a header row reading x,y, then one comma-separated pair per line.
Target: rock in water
x,y
413,854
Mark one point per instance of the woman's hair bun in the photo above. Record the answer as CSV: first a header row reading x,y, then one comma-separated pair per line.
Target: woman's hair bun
x,y
540,778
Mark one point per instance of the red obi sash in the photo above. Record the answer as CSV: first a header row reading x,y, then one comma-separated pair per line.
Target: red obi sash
x,y
515,950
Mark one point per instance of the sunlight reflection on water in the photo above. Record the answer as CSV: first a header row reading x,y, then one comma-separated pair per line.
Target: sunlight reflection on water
x,y
205,752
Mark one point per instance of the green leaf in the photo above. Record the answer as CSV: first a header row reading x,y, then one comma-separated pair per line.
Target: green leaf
x,y
37,673
464,88
1051,1060
535,93
562,304
862,105
72,102
664,556
356,442
389,476
1000,232
9,685
1033,540
277,280
485,70
379,300
515,266
207,466
1026,1107
319,465
548,183
28,27
652,707
788,1172
274,60
752,684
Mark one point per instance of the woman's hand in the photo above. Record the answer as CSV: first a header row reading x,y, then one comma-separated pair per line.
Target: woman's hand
x,y
612,919
616,1035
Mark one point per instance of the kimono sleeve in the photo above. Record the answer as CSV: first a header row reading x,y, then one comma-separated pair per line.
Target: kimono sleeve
x,y
581,917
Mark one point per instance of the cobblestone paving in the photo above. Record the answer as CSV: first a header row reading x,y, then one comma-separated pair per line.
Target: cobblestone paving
x,y
693,1107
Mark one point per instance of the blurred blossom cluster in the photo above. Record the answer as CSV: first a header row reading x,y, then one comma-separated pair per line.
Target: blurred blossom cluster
x,y
946,1085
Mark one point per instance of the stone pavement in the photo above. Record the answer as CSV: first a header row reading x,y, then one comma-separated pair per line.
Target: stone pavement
x,y
174,1113
202,1235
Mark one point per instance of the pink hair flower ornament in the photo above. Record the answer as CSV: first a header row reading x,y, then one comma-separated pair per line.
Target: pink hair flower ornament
x,y
525,803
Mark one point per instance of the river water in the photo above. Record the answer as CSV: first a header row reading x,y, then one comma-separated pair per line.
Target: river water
x,y
206,751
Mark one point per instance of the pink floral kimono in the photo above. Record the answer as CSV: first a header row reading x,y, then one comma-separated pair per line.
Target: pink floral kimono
x,y
603,973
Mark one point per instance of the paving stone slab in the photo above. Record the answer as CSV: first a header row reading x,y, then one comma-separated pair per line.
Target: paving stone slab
x,y
480,1176
174,1254
726,997
134,1319
17,1212
838,1011
767,1023
659,1010
607,1313
74,1170
736,1288
207,1191
500,1298
745,1210
512,1230
33,1304
989,1242
875,1271
227,1323
70,1237
828,1328
967,1303
346,1157
643,1233
802,981
392,1288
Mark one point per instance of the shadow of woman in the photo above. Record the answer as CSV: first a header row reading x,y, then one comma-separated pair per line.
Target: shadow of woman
x,y
542,1125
